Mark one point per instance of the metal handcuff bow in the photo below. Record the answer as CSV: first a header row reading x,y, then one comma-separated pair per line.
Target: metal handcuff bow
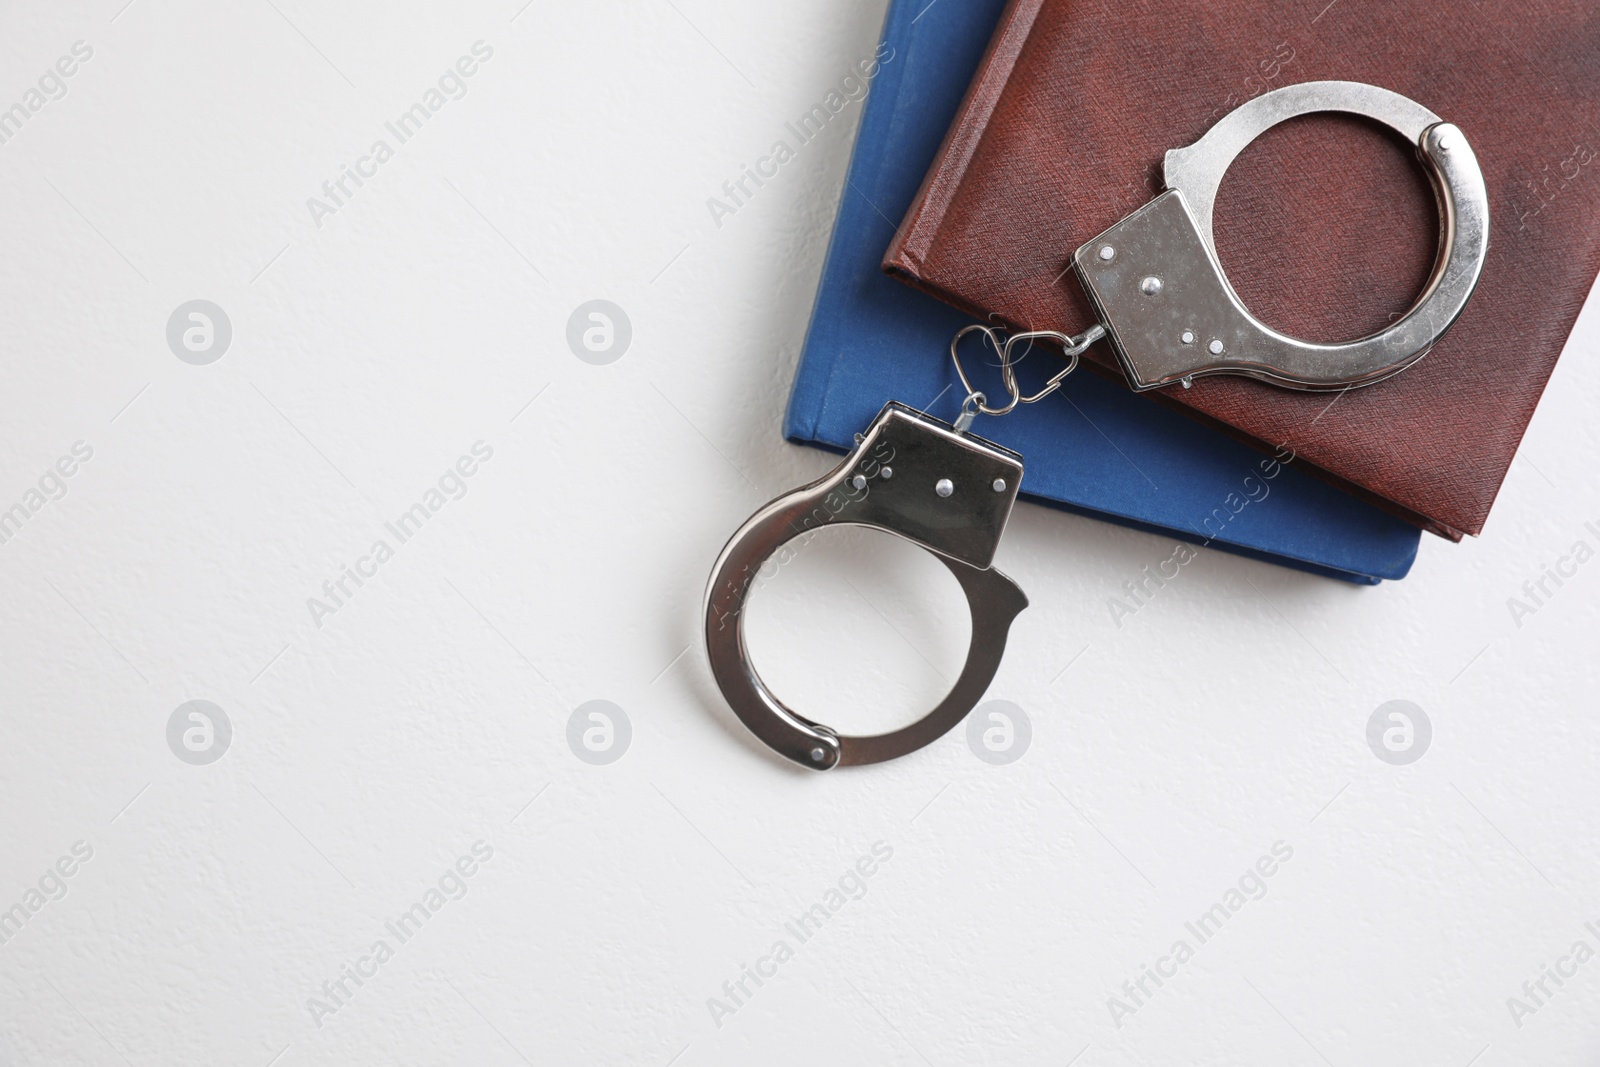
x,y
1169,314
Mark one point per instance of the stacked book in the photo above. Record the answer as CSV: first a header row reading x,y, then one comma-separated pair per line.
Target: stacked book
x,y
998,136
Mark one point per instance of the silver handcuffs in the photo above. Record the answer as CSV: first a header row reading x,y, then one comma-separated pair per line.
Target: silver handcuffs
x,y
1167,310
1166,304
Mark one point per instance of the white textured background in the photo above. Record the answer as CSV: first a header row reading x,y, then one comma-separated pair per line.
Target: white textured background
x,y
431,709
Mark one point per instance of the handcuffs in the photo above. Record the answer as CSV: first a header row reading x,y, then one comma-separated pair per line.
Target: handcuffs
x,y
1169,314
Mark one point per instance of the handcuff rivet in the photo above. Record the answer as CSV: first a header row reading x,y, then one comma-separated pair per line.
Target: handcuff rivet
x,y
1151,286
1107,253
859,481
1215,347
1187,337
888,472
999,485
817,755
944,487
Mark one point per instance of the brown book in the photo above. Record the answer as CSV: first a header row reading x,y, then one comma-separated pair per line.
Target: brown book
x,y
1326,225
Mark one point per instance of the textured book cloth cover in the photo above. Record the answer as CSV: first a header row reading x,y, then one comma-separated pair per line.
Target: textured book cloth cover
x,y
1096,448
1326,225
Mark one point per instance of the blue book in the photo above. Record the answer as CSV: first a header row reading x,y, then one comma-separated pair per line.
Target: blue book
x,y
1094,447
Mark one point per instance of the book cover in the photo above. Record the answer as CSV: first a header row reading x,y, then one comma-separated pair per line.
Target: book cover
x,y
1326,226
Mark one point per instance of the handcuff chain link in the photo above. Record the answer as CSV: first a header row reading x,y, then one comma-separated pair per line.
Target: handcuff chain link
x,y
977,402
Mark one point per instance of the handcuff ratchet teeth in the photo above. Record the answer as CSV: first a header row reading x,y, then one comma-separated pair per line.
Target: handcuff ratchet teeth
x,y
1170,315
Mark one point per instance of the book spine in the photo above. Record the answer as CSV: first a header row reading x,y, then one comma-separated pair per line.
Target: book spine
x,y
814,373
920,229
